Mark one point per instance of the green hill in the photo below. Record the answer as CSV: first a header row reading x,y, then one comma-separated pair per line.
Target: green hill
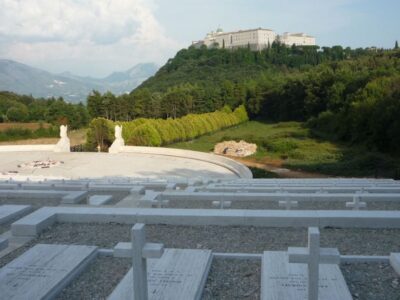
x,y
342,94
217,77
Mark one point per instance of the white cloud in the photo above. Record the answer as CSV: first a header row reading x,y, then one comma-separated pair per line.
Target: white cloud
x,y
82,32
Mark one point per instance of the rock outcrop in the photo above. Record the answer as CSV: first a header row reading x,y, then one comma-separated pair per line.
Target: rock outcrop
x,y
232,148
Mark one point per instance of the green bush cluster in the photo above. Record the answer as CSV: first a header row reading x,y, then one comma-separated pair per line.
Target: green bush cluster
x,y
157,132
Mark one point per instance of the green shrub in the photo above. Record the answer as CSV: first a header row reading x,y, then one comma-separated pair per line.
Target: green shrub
x,y
100,133
145,135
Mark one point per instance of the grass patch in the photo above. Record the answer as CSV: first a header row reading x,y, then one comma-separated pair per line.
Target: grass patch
x,y
293,145
29,126
14,134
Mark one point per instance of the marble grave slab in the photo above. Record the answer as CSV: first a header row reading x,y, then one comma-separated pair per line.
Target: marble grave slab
x,y
178,275
281,280
43,271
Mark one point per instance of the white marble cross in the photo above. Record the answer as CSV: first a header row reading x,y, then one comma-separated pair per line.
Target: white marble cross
x,y
281,190
161,203
288,204
356,204
140,252
322,191
221,204
313,255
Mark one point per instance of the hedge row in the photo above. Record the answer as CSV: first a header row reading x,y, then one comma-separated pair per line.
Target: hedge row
x,y
157,132
14,134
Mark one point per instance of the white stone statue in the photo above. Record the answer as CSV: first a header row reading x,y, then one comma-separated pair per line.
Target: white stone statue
x,y
63,144
118,132
118,142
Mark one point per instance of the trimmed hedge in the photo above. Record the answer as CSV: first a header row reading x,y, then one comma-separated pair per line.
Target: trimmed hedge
x,y
157,132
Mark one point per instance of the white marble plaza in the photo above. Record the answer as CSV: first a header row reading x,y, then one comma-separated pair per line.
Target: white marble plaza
x,y
101,165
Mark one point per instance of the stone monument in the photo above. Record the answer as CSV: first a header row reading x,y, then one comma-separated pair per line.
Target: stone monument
x,y
118,142
63,144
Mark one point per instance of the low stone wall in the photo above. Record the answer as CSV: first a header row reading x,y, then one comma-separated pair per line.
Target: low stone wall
x,y
27,148
239,169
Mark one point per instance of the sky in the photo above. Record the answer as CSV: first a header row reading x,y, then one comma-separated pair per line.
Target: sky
x,y
98,37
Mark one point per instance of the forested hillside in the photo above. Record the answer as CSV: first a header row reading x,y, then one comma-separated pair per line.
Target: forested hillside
x,y
343,94
204,80
20,108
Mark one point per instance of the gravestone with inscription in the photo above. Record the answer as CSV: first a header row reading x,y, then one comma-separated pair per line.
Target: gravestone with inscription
x,y
178,275
43,271
281,280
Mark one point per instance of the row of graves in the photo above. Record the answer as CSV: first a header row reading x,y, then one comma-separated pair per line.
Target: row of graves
x,y
126,238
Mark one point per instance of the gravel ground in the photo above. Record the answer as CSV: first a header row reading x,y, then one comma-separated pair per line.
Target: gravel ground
x,y
244,276
247,239
243,281
372,281
106,272
306,205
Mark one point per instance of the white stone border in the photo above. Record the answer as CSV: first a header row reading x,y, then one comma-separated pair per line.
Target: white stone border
x,y
67,197
39,220
271,197
27,148
239,169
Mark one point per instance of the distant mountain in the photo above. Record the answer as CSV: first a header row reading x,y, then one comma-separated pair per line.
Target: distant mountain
x,y
23,79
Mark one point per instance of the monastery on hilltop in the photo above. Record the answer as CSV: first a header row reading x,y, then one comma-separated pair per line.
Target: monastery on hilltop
x,y
257,39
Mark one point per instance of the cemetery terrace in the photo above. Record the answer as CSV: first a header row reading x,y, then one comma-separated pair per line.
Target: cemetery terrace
x,y
212,232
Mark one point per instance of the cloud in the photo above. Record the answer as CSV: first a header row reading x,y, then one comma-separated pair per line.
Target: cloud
x,y
82,31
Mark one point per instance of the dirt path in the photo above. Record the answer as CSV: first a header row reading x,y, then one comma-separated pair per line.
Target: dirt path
x,y
276,167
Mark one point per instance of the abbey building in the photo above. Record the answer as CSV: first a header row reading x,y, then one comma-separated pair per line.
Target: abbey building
x,y
256,39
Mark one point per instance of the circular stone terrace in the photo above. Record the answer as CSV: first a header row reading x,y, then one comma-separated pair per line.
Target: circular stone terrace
x,y
145,163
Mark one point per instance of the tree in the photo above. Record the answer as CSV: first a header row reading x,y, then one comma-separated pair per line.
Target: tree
x,y
17,113
396,45
99,134
95,105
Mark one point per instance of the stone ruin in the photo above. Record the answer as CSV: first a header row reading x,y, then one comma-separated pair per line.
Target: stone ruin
x,y
237,149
